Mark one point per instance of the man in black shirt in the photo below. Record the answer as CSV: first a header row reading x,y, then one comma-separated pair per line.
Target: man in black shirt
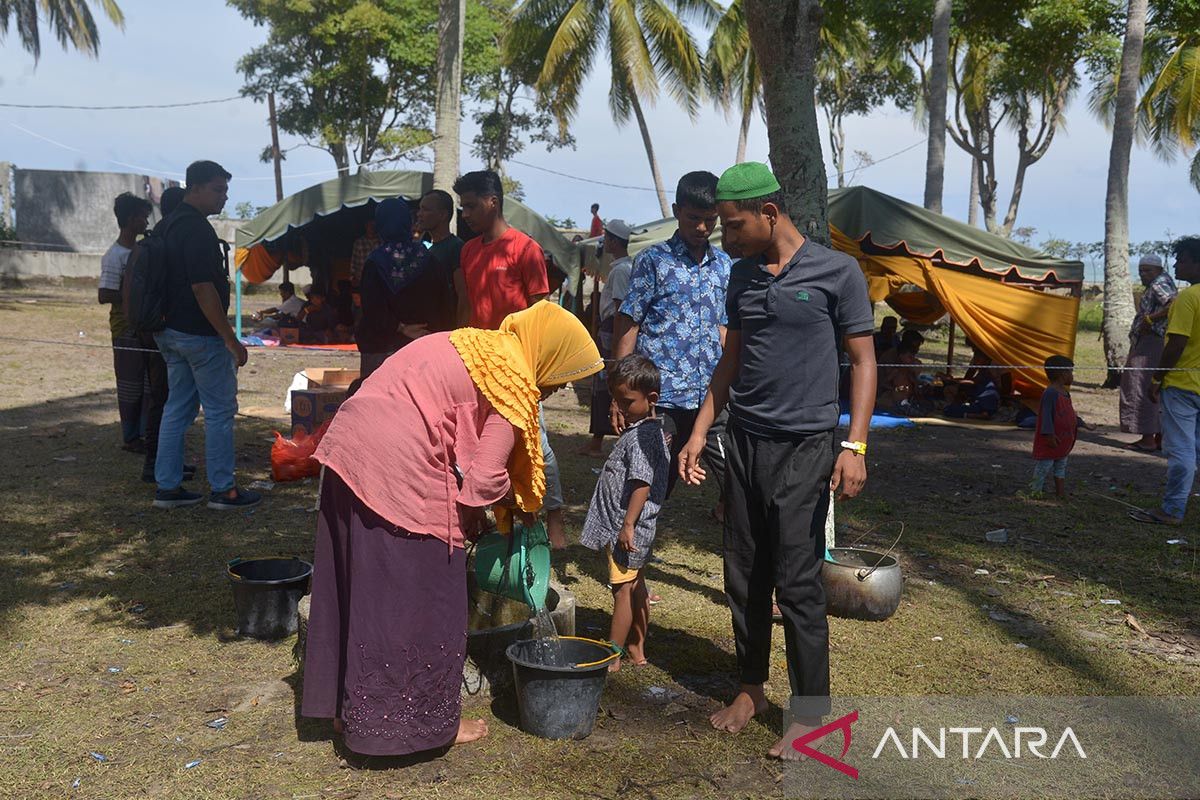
x,y
199,345
434,215
792,304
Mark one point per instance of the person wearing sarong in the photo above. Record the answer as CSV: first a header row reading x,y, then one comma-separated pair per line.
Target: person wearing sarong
x,y
406,292
1140,414
444,428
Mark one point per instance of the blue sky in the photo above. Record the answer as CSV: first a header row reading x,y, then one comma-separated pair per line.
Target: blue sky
x,y
171,52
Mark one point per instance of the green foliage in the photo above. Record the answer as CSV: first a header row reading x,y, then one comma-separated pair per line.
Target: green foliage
x,y
563,223
247,210
1168,114
357,77
506,115
70,21
647,42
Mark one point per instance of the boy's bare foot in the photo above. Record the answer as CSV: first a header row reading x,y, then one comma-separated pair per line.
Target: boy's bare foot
x,y
615,666
470,730
735,716
783,749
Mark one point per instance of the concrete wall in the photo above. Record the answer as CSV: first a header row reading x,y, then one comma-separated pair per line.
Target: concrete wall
x,y
70,211
24,265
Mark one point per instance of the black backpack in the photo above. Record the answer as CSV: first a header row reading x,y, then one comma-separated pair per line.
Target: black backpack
x,y
145,284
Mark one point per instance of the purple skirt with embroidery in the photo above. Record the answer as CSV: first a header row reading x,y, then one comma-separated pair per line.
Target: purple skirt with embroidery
x,y
387,634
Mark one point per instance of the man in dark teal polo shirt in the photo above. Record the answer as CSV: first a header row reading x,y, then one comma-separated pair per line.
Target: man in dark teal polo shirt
x,y
792,305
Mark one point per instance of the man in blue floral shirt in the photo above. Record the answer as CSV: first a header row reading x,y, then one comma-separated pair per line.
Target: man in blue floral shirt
x,y
674,313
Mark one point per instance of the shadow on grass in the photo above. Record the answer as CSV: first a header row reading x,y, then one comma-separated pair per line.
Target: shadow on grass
x,y
78,522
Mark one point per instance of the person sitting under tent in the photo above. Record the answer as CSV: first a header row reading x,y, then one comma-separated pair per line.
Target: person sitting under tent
x,y
886,337
982,402
900,386
317,319
287,311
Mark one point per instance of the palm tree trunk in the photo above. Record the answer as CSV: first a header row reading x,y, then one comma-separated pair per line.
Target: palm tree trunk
x,y
451,19
658,181
973,197
935,155
744,133
784,34
1118,293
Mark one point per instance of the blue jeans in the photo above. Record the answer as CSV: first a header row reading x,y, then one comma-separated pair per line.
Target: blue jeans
x,y
554,492
200,372
1181,443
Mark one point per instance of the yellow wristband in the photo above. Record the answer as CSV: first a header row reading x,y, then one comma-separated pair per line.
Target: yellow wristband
x,y
855,447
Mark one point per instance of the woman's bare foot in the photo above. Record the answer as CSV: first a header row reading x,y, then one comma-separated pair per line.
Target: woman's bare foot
x,y
556,529
470,730
783,749
735,716
338,726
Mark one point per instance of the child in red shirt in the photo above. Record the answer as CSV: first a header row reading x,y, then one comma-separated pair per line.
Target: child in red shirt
x,y
1056,425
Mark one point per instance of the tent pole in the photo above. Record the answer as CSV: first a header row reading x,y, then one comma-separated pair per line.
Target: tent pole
x,y
950,350
237,311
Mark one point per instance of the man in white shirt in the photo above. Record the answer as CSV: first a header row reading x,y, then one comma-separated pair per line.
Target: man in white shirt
x,y
616,245
129,362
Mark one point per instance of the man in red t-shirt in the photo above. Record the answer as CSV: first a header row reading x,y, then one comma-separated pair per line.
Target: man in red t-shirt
x,y
504,269
597,223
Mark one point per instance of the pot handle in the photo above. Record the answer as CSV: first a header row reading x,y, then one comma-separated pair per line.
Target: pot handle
x,y
863,574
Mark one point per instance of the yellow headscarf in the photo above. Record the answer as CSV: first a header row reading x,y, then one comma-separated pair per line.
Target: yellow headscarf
x,y
542,347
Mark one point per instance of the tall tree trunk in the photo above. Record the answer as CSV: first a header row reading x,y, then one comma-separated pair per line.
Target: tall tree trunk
x,y
451,19
1118,293
744,132
935,155
658,181
341,157
973,196
785,36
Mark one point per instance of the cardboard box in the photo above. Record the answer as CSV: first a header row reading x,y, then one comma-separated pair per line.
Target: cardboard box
x,y
330,377
289,336
312,407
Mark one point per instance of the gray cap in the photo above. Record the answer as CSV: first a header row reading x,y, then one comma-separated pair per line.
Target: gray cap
x,y
618,228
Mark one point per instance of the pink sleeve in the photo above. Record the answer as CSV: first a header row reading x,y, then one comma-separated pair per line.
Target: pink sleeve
x,y
533,270
486,479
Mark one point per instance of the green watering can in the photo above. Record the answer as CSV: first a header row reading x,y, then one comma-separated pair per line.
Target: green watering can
x,y
516,566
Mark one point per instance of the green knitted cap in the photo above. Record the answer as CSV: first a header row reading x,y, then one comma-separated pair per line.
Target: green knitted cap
x,y
745,181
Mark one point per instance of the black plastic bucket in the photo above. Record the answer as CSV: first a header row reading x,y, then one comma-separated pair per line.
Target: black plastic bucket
x,y
265,593
560,702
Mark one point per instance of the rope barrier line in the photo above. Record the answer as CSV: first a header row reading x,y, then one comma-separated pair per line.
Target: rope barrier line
x,y
290,351
295,351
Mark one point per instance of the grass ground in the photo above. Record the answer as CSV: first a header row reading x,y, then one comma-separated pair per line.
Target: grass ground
x,y
116,622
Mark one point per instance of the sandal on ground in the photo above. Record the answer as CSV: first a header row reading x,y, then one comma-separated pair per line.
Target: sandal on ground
x,y
1153,518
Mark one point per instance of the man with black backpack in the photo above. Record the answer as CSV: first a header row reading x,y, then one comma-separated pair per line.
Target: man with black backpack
x,y
198,343
156,367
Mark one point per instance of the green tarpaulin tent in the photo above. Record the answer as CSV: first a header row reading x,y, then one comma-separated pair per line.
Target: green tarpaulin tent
x,y
355,191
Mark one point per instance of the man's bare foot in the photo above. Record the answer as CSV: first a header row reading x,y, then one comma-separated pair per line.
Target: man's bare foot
x,y
783,749
735,716
470,730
